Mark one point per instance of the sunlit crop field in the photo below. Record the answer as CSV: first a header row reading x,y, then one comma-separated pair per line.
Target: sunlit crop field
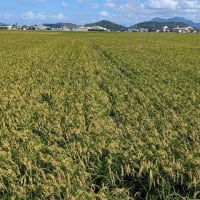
x,y
99,116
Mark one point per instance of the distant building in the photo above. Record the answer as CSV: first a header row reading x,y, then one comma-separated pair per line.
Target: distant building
x,y
187,29
143,30
24,28
6,27
165,29
66,28
82,29
97,28
27,27
16,27
70,27
41,27
133,30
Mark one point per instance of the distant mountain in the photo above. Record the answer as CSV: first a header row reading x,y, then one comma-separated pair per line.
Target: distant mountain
x,y
2,24
177,19
159,25
108,24
60,25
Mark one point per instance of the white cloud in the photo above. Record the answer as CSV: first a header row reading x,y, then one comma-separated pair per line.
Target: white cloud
x,y
134,11
28,15
32,16
130,5
120,11
5,16
109,4
104,14
59,17
64,4
42,1
43,16
40,16
190,4
80,1
94,5
163,4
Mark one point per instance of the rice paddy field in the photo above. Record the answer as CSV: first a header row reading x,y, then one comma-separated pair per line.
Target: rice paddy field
x,y
99,116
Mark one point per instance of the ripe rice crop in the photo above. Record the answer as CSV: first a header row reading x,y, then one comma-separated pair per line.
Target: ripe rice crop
x,y
99,116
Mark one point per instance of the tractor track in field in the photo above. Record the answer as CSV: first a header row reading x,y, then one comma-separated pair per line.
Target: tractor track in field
x,y
121,67
119,74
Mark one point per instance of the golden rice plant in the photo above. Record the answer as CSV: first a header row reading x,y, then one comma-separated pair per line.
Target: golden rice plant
x,y
99,116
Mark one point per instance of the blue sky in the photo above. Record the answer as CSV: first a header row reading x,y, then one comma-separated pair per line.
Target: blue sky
x,y
125,12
